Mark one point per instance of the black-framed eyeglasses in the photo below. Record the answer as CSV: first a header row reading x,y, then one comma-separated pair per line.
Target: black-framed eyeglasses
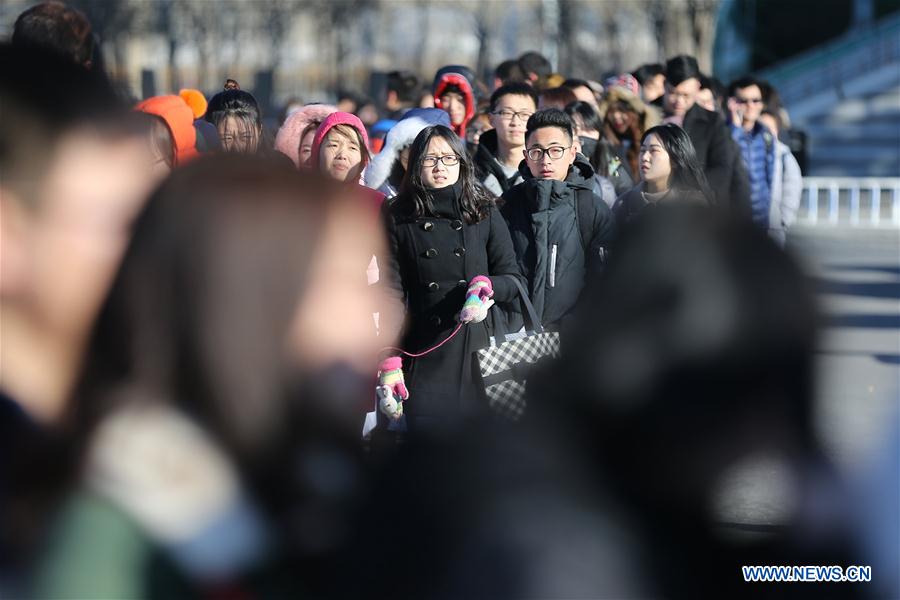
x,y
448,160
554,152
508,114
748,100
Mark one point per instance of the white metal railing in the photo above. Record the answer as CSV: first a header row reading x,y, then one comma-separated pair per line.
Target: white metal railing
x,y
854,201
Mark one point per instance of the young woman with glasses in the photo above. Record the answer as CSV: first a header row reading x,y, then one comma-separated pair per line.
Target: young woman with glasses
x,y
446,242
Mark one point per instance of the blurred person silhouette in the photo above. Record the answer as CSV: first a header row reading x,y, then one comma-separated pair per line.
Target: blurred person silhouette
x,y
556,97
582,90
500,150
509,71
401,93
73,173
561,230
756,144
709,134
388,168
295,137
536,68
57,28
214,428
713,95
652,77
687,379
787,182
455,90
236,116
446,243
669,172
625,119
611,178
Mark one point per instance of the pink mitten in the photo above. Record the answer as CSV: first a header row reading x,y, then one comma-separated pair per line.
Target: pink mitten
x,y
391,388
478,300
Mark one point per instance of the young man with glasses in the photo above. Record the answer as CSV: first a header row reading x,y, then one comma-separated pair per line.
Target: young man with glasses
x,y
561,230
500,149
756,142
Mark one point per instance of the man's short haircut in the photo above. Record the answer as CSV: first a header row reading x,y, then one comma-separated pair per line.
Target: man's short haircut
x,y
534,62
682,68
35,117
57,28
645,73
513,89
509,71
404,84
549,117
741,83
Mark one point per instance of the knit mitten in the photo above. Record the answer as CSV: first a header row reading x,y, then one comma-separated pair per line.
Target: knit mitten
x,y
391,389
478,300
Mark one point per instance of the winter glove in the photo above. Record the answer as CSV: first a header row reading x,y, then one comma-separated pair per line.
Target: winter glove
x,y
478,300
391,389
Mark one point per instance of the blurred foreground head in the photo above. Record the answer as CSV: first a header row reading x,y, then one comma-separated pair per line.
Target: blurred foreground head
x,y
72,177
244,280
693,351
57,28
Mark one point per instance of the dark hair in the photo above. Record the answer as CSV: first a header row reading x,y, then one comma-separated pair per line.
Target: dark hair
x,y
646,72
589,117
686,172
574,83
33,117
549,117
416,198
774,114
741,83
510,71
681,68
238,104
404,84
58,28
197,313
559,95
534,62
513,89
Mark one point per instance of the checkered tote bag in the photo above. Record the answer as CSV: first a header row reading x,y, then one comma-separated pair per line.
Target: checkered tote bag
x,y
504,366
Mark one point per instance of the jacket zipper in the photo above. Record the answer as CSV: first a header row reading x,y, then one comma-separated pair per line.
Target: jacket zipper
x,y
553,265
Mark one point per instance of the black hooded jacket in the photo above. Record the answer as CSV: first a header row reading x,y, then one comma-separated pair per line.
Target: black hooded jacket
x,y
556,252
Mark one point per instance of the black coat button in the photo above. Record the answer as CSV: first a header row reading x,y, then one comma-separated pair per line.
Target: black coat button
x,y
427,225
460,252
456,224
462,283
433,286
436,321
431,252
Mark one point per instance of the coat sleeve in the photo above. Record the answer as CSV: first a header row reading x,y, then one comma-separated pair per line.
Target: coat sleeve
x,y
739,202
719,160
392,296
502,258
791,189
604,234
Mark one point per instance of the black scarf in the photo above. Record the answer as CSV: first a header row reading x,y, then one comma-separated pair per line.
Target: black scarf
x,y
445,201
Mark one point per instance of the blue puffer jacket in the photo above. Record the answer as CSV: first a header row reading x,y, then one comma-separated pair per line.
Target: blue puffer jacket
x,y
758,151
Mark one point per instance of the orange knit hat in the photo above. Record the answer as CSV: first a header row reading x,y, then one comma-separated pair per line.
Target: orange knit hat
x,y
180,119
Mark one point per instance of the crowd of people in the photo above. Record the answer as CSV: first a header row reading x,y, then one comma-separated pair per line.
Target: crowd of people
x,y
241,363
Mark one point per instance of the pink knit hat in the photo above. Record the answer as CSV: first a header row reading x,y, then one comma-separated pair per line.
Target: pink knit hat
x,y
287,141
334,119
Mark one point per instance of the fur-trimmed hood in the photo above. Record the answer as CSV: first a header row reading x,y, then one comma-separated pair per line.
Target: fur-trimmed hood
x,y
401,135
648,114
287,141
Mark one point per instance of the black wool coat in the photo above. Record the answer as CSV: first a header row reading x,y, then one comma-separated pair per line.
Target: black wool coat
x,y
553,255
426,272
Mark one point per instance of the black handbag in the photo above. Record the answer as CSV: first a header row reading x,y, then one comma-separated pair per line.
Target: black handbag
x,y
505,364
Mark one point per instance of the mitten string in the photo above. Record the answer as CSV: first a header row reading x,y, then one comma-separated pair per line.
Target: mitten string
x,y
430,350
